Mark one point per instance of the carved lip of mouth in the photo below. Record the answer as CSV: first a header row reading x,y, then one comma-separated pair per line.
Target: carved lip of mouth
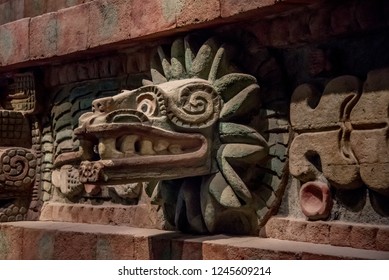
x,y
144,146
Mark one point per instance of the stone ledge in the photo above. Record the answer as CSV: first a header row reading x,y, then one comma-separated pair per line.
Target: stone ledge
x,y
353,235
106,24
126,215
60,240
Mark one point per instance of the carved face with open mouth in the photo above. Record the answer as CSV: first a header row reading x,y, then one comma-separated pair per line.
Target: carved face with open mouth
x,y
144,134
193,132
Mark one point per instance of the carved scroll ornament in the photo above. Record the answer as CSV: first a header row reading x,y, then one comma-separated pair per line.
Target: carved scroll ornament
x,y
342,139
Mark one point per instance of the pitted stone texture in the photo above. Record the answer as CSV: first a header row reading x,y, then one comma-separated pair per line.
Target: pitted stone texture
x,y
72,34
44,36
343,134
195,12
109,21
143,216
48,240
14,42
334,233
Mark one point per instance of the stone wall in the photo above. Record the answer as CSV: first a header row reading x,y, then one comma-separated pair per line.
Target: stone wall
x,y
264,118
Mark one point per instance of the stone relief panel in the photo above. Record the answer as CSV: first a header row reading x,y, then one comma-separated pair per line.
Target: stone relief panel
x,y
194,136
20,156
341,141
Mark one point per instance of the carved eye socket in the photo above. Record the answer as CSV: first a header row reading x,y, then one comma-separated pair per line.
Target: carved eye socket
x,y
147,104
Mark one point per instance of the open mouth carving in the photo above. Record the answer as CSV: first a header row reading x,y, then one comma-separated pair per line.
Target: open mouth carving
x,y
138,149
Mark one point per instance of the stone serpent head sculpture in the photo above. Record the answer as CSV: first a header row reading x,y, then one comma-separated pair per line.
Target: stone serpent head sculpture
x,y
192,134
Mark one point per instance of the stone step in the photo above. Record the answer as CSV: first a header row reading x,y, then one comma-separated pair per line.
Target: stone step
x,y
61,240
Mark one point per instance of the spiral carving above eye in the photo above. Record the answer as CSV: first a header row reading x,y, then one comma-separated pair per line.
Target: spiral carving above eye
x,y
194,106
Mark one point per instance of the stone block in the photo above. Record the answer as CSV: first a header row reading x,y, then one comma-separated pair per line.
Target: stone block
x,y
72,26
232,7
214,251
340,234
317,232
150,17
197,11
33,8
38,244
363,237
55,5
6,13
110,21
186,249
276,228
115,247
382,239
43,36
17,7
11,242
296,231
74,246
14,42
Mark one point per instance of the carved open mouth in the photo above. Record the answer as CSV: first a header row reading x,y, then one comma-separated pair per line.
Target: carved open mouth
x,y
130,152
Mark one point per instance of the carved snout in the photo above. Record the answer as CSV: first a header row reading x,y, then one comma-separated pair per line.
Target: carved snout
x,y
102,105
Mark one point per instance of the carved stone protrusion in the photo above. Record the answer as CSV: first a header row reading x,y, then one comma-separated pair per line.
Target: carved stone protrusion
x,y
315,200
19,148
343,134
194,132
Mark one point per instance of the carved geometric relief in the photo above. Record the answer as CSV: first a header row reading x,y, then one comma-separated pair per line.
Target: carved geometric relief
x,y
19,149
343,137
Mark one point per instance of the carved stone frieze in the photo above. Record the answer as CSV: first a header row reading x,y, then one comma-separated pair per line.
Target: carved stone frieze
x,y
19,149
342,135
197,137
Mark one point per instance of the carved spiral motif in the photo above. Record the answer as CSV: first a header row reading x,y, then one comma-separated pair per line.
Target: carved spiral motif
x,y
18,168
195,106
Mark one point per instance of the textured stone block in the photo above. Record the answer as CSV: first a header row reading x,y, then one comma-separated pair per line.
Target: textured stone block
x,y
233,7
38,244
187,248
74,246
6,13
43,36
318,233
11,242
296,231
14,42
363,237
382,240
276,228
115,247
149,17
72,29
110,21
197,11
214,251
340,234
55,5
34,8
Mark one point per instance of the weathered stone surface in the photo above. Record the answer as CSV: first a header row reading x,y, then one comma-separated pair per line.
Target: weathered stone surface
x,y
353,124
195,12
11,242
163,19
14,42
110,21
162,132
337,233
72,35
44,36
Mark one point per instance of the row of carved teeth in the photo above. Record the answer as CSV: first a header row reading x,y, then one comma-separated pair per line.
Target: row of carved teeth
x,y
133,145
